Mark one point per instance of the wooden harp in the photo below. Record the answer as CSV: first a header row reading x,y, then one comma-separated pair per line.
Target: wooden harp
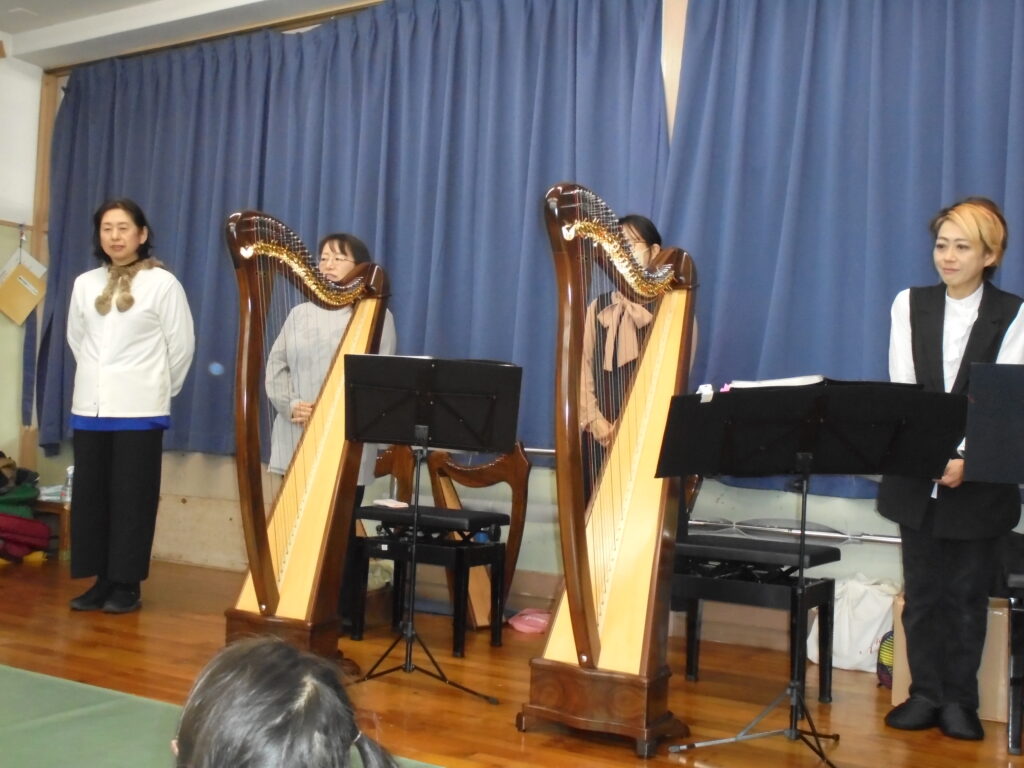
x,y
296,545
604,667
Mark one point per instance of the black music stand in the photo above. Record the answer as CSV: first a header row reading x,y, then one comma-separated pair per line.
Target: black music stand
x,y
995,454
424,402
995,424
826,428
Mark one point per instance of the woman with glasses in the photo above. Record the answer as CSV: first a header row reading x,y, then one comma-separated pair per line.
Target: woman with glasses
x,y
299,361
304,350
614,332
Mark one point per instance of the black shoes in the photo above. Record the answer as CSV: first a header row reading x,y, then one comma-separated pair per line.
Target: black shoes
x,y
124,598
94,597
955,720
914,714
110,596
960,722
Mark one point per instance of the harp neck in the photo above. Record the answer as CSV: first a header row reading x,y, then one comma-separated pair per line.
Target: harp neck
x,y
259,243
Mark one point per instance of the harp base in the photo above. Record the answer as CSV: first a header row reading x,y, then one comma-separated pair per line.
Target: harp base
x,y
602,701
320,638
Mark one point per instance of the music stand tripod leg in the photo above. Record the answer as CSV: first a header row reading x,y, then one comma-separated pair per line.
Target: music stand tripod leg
x,y
409,634
798,707
793,691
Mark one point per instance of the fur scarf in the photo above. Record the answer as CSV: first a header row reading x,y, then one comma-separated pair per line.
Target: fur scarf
x,y
119,282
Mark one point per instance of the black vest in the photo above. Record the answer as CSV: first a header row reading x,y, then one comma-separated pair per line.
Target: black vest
x,y
973,510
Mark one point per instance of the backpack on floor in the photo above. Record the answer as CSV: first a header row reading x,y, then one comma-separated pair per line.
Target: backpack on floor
x,y
20,536
18,499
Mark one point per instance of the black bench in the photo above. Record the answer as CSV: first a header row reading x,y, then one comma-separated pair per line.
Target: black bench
x,y
759,572
435,545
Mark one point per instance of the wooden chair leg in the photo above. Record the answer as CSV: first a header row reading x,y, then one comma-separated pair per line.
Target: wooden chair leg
x,y
693,610
64,540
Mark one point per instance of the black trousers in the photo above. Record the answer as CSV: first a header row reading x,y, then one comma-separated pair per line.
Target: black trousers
x,y
946,583
114,503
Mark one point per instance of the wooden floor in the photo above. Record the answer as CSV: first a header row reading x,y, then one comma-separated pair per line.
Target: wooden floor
x,y
157,652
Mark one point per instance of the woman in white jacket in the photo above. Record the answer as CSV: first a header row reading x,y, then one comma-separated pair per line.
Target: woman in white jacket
x,y
130,329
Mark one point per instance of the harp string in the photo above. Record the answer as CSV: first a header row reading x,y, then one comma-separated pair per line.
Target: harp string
x,y
282,254
610,470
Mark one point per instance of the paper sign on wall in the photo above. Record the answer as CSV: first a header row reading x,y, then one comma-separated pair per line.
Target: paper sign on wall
x,y
22,285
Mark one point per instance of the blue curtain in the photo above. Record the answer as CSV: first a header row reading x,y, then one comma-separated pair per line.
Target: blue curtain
x,y
813,141
430,128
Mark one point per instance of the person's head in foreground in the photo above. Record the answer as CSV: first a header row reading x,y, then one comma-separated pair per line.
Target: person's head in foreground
x,y
262,703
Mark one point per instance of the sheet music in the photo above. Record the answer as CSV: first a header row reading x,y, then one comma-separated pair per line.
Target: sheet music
x,y
792,381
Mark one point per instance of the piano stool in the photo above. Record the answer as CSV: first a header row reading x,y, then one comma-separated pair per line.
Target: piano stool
x,y
434,546
758,572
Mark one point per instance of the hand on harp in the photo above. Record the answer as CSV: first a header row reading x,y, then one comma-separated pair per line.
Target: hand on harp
x,y
301,412
603,431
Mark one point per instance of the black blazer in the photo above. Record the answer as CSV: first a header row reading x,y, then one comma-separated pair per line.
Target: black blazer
x,y
973,510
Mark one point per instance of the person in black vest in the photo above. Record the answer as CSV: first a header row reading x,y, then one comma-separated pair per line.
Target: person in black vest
x,y
950,529
613,336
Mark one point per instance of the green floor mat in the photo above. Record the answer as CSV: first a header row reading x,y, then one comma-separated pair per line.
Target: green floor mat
x,y
47,722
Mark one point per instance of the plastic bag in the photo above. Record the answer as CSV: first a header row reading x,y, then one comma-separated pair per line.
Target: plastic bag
x,y
863,615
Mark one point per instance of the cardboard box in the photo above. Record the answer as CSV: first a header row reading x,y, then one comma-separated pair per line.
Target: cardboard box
x,y
22,286
993,675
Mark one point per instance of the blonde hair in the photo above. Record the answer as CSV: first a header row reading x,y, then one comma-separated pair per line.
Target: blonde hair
x,y
982,222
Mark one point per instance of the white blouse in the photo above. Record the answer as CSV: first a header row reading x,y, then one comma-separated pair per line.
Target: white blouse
x,y
129,364
956,329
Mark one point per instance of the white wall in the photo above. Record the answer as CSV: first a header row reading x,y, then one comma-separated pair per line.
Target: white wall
x,y
19,105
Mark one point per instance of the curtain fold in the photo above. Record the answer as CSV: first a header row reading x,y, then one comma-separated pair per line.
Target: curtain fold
x,y
814,140
429,128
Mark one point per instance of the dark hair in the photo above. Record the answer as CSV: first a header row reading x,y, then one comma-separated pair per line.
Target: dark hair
x,y
260,703
346,244
132,209
643,227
